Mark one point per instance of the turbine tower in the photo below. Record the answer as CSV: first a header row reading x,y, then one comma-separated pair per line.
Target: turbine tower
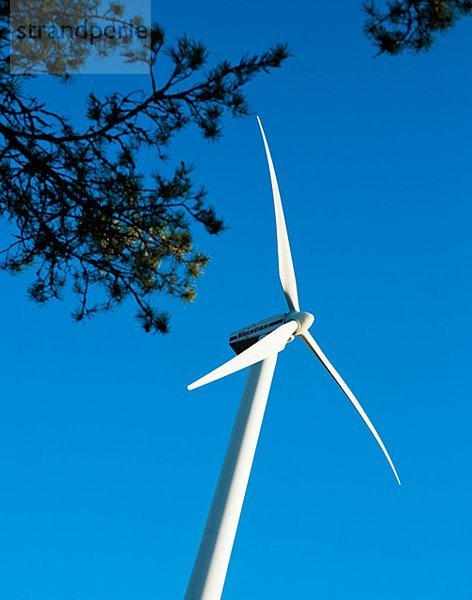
x,y
257,347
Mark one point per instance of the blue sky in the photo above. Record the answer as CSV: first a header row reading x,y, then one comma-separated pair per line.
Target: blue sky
x,y
108,464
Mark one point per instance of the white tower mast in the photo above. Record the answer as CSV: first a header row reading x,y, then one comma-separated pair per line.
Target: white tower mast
x,y
210,567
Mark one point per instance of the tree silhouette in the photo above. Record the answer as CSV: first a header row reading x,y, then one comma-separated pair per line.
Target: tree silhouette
x,y
411,25
87,216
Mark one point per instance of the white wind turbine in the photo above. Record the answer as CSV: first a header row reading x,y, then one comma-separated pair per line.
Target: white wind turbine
x,y
257,347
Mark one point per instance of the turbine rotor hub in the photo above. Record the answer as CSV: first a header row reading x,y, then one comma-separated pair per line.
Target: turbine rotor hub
x,y
304,319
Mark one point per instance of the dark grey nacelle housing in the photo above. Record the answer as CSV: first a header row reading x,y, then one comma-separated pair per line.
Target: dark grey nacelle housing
x,y
244,338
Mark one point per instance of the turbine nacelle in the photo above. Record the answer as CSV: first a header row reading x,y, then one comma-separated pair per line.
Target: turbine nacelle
x,y
247,336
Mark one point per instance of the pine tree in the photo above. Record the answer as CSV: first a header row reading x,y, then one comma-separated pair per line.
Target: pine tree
x,y
88,215
411,25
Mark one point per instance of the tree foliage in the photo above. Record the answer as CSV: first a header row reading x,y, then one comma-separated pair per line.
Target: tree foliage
x,y
87,215
411,25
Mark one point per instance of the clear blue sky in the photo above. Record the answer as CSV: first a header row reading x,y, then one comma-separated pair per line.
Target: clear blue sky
x,y
108,464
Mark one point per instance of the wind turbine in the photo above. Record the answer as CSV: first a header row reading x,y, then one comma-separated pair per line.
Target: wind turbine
x,y
257,347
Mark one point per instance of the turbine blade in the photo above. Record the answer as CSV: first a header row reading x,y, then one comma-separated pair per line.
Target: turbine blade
x,y
286,270
272,343
311,343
